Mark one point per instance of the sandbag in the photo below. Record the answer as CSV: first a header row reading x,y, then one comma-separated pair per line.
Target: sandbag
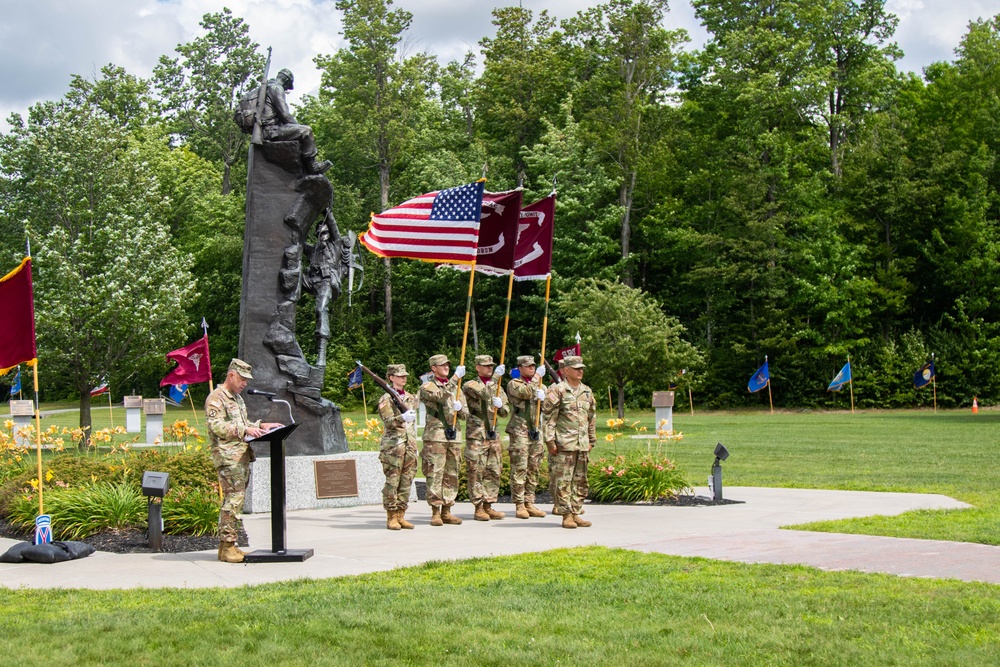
x,y
13,555
75,549
45,553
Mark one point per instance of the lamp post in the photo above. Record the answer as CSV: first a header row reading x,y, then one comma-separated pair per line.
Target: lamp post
x,y
721,454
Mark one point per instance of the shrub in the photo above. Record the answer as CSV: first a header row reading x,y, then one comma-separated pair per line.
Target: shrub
x,y
191,511
82,511
635,477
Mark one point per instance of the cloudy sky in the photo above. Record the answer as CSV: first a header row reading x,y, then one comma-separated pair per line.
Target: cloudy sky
x,y
43,42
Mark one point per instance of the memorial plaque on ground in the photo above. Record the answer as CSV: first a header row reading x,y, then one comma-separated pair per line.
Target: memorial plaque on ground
x,y
22,408
336,479
133,401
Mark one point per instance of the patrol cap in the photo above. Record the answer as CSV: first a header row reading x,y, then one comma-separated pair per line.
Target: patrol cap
x,y
438,360
241,367
484,360
526,360
573,362
396,369
562,364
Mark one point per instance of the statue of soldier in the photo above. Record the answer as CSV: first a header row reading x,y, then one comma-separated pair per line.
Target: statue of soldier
x,y
570,411
526,446
398,448
329,259
440,456
482,443
228,428
278,123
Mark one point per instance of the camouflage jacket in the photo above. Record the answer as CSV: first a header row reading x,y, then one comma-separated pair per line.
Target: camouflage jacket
x,y
523,402
397,431
437,397
569,416
480,399
227,423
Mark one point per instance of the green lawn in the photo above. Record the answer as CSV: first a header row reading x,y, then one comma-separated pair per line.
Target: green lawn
x,y
591,606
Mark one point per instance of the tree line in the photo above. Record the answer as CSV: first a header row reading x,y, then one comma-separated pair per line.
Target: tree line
x,y
783,191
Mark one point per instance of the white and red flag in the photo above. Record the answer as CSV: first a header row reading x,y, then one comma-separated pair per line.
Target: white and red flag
x,y
571,351
440,226
193,364
533,257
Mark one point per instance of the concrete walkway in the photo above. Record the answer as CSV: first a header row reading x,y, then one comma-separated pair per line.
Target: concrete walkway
x,y
354,541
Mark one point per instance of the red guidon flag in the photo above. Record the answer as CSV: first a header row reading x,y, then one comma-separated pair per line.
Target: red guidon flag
x,y
571,351
533,257
193,364
439,227
497,233
17,318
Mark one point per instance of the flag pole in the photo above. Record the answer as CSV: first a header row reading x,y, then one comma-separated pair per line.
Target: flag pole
x,y
191,400
851,383
503,345
770,399
204,327
690,398
465,335
364,402
934,382
111,410
38,440
545,331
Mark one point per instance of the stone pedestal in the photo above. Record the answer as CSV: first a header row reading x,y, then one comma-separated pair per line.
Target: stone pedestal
x,y
300,483
133,414
154,408
22,413
663,404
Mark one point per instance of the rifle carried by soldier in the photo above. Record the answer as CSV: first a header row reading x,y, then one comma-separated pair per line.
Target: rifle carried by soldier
x,y
393,394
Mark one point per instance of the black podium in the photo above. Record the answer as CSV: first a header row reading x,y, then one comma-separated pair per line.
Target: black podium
x,y
278,552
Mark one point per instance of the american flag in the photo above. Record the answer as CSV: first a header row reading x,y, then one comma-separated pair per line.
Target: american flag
x,y
439,226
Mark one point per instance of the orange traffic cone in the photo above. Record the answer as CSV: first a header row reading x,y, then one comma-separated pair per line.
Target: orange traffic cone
x,y
975,406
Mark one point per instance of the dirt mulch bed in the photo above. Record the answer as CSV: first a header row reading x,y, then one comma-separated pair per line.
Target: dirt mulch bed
x,y
133,541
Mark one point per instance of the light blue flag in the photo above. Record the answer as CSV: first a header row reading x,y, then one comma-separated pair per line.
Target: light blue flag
x,y
843,377
759,379
15,388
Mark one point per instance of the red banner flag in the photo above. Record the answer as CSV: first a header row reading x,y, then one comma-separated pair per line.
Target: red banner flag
x,y
17,323
436,227
571,351
498,232
193,364
533,257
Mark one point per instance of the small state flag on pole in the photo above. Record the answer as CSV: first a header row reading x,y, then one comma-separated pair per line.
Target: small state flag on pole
x,y
177,392
15,387
438,227
102,388
924,376
759,380
355,378
842,378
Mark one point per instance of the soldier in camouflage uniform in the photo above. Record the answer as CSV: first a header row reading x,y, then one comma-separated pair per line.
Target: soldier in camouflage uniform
x,y
482,442
228,428
440,456
570,433
526,447
398,449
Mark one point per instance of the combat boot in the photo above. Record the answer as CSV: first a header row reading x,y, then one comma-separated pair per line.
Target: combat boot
x,y
521,512
492,513
580,521
391,522
314,167
228,553
436,516
568,521
403,523
533,511
481,514
448,517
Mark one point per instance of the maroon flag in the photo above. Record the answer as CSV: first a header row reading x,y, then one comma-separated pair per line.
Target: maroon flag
x,y
533,257
435,227
193,364
571,351
498,232
17,318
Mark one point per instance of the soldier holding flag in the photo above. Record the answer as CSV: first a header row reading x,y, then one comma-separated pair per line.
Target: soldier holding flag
x,y
482,443
526,447
441,452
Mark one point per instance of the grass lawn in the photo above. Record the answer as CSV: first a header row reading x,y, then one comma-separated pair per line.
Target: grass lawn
x,y
573,607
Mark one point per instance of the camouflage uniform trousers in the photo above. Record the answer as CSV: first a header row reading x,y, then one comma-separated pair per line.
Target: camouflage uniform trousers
x,y
439,463
569,475
483,463
525,458
233,478
399,463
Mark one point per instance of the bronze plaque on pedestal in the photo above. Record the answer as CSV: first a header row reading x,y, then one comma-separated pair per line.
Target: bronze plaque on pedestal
x,y
336,479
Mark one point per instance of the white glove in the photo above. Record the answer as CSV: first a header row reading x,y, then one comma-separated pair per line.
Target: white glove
x,y
409,416
540,371
460,371
457,405
540,394
500,369
497,402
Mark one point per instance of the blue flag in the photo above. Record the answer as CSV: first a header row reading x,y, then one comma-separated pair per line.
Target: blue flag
x,y
843,377
760,379
921,378
355,378
178,392
15,387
